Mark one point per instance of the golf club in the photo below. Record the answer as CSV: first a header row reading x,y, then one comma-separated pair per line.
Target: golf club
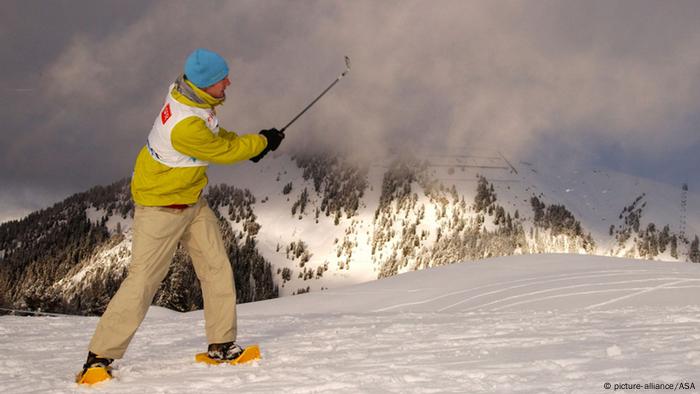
x,y
347,69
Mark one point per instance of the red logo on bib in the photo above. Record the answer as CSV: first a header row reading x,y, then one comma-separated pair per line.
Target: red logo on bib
x,y
165,115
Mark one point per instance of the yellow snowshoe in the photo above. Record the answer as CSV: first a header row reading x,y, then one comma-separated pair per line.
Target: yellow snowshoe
x,y
248,354
94,375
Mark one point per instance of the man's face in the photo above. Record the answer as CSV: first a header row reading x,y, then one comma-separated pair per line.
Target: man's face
x,y
217,90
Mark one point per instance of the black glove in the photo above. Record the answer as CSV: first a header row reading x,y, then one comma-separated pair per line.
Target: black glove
x,y
274,139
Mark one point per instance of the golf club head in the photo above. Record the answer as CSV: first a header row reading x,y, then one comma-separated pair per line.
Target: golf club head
x,y
347,65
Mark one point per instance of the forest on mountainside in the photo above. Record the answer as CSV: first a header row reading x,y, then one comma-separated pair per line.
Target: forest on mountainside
x,y
53,259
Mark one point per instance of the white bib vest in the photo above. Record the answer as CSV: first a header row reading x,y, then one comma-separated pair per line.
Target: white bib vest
x,y
159,141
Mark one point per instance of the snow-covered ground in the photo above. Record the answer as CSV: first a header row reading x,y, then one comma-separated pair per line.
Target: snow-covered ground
x,y
535,324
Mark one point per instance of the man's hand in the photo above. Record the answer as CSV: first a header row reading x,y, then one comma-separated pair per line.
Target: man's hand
x,y
274,139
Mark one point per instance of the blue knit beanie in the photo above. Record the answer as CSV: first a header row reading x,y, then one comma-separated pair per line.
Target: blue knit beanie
x,y
205,68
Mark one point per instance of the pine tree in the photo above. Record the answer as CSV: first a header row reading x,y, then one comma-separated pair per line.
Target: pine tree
x,y
694,252
674,246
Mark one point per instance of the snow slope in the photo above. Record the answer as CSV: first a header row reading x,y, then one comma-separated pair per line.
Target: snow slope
x,y
534,324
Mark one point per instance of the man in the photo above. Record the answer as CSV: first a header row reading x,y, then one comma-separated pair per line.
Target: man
x,y
169,175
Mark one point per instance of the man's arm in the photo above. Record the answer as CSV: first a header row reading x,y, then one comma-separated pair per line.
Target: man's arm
x,y
227,135
192,137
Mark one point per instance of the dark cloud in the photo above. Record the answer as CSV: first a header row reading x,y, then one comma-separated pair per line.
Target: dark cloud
x,y
82,80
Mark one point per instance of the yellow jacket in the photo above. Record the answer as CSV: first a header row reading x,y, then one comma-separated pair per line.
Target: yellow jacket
x,y
156,184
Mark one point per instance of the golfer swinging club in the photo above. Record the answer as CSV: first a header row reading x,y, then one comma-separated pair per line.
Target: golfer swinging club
x,y
169,175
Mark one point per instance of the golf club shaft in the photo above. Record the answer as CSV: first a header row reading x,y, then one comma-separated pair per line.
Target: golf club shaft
x,y
347,63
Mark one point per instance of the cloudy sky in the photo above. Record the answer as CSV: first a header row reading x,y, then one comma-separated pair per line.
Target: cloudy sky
x,y
608,84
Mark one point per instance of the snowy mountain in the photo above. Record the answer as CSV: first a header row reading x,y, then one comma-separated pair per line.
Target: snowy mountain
x,y
529,324
313,222
431,210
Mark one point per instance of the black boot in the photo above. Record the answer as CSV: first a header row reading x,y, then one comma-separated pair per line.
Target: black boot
x,y
224,351
94,361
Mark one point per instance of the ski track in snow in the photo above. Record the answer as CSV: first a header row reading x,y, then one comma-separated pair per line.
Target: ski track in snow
x,y
555,278
562,328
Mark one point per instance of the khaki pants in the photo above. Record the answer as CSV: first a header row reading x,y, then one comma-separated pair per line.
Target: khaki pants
x,y
156,233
